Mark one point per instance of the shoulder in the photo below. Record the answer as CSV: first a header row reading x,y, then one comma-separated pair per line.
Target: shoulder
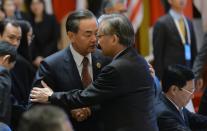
x,y
57,57
3,71
164,19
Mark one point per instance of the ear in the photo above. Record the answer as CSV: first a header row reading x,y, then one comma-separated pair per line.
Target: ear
x,y
71,36
6,59
174,89
115,39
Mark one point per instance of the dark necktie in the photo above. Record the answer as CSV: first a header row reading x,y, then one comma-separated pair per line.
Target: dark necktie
x,y
86,78
181,113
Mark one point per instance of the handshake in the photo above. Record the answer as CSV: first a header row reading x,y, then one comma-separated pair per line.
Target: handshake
x,y
81,114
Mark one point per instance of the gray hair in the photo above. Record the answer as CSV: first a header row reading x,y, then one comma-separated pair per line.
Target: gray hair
x,y
120,25
43,118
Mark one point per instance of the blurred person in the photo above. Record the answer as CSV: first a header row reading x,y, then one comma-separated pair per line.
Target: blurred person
x,y
200,70
45,118
75,67
23,72
2,14
114,6
4,127
26,40
46,31
178,87
173,38
127,101
9,8
19,14
7,59
10,31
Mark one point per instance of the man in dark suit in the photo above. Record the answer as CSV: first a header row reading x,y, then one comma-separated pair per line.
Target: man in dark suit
x,y
173,38
178,87
7,59
63,71
124,88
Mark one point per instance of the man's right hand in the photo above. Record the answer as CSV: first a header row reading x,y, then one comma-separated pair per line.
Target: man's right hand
x,y
81,114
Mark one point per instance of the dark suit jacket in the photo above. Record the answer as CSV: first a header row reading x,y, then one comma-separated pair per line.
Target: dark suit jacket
x,y
167,45
170,119
60,72
124,88
22,77
5,90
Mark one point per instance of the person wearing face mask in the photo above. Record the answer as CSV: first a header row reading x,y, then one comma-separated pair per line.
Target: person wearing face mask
x,y
178,87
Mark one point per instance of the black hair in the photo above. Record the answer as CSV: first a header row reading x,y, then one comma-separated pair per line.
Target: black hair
x,y
23,48
176,75
166,5
73,20
8,49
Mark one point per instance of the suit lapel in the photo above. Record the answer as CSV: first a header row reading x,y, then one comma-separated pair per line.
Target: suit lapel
x,y
173,27
71,69
96,65
174,109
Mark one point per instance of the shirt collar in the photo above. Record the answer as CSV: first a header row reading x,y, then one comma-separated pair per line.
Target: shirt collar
x,y
78,57
175,15
118,54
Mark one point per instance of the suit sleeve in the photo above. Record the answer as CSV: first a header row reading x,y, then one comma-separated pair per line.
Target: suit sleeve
x,y
5,89
104,87
43,73
200,59
196,121
168,122
158,47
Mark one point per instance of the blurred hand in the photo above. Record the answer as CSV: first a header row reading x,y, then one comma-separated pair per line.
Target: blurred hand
x,y
41,94
152,71
38,60
81,114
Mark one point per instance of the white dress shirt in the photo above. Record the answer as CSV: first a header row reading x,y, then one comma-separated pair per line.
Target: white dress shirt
x,y
78,60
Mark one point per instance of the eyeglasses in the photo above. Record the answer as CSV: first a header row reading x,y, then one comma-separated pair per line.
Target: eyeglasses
x,y
99,35
190,92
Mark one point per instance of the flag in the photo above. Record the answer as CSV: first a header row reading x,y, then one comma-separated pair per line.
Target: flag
x,y
135,13
62,7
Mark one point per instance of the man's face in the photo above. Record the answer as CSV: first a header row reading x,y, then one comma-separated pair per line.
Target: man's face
x,y
105,41
84,41
178,4
184,95
11,34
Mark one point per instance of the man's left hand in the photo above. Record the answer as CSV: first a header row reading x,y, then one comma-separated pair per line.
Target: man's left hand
x,y
41,95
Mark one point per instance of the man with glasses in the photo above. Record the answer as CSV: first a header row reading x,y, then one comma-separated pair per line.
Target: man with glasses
x,y
124,88
75,67
178,88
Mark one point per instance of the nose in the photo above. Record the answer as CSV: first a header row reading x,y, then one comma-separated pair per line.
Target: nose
x,y
94,39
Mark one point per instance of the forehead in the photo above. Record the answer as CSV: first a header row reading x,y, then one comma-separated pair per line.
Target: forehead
x,y
88,24
11,29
